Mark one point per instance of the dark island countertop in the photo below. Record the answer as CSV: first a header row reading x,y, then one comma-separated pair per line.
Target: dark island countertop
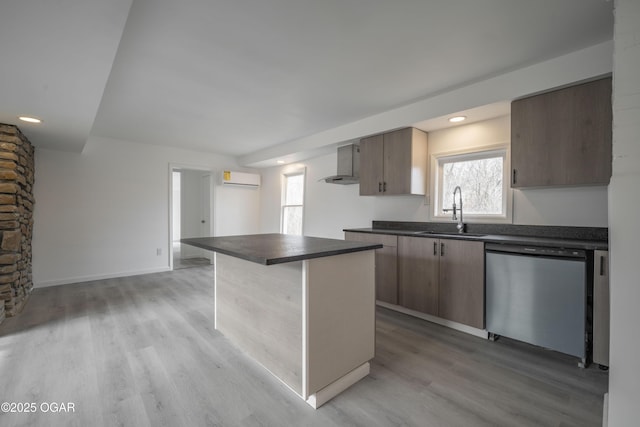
x,y
268,249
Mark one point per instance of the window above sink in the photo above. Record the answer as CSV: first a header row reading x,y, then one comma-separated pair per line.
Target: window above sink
x,y
483,176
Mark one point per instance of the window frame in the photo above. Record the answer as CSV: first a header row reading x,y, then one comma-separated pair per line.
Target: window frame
x,y
476,153
283,195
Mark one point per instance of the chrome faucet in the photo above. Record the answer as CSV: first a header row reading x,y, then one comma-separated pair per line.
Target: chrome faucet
x,y
454,217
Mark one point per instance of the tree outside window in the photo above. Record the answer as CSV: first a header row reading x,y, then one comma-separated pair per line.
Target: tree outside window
x,y
481,176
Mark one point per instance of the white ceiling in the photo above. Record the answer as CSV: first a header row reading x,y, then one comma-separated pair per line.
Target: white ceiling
x,y
235,77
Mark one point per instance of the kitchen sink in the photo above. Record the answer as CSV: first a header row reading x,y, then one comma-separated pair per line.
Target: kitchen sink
x,y
447,233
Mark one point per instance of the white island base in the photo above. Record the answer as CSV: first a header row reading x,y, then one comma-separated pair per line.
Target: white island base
x,y
311,323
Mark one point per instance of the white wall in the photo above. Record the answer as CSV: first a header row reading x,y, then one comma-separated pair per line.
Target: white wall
x,y
270,199
237,210
191,209
329,208
624,211
191,203
105,212
573,206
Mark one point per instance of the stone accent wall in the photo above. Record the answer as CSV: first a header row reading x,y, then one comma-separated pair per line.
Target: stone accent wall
x,y
16,219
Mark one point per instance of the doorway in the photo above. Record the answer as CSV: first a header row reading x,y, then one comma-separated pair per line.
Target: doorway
x,y
191,215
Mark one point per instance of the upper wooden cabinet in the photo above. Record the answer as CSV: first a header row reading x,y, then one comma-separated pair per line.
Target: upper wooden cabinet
x,y
562,138
394,163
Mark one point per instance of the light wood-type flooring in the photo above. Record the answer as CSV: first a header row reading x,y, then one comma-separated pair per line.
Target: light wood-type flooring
x,y
142,351
180,263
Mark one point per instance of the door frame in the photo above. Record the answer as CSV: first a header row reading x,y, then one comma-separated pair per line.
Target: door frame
x,y
212,197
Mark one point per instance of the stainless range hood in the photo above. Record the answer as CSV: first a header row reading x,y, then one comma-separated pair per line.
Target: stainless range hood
x,y
348,166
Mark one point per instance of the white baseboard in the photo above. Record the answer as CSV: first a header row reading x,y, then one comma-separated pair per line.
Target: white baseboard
x,y
482,333
321,397
90,278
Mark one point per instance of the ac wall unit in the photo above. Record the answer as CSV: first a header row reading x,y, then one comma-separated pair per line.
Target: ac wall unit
x,y
242,179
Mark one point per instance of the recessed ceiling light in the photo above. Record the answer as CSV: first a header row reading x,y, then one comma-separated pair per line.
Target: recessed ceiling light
x,y
30,119
280,162
457,119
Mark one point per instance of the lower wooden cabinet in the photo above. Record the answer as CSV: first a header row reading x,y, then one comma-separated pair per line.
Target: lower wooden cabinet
x,y
442,277
418,270
461,294
601,308
386,264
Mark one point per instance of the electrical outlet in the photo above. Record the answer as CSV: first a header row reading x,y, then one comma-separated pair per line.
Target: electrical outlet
x,y
159,251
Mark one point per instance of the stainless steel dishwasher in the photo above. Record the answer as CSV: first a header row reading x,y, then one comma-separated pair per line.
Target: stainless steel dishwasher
x,y
538,295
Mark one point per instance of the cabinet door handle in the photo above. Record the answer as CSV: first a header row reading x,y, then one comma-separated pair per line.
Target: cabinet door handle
x,y
441,249
379,187
435,248
601,265
384,187
515,176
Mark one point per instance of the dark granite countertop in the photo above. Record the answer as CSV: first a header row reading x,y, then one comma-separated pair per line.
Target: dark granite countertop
x,y
268,249
586,238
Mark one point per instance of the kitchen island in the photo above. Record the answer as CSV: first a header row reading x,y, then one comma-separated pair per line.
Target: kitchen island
x,y
302,307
